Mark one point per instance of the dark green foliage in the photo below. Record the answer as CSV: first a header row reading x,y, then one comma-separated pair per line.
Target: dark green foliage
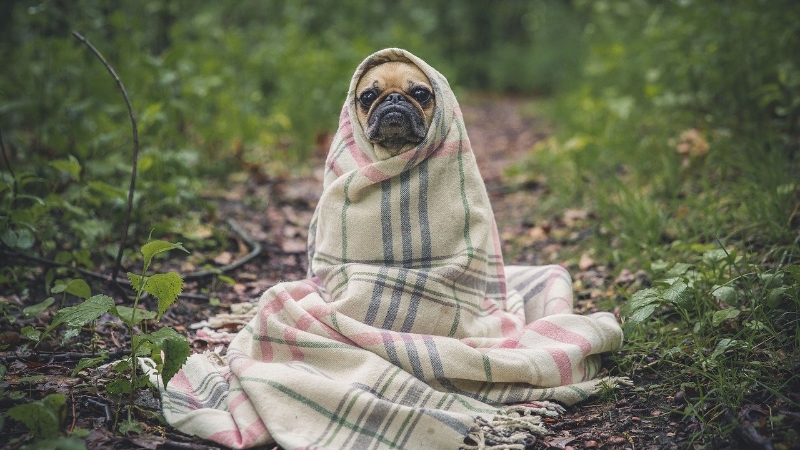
x,y
682,137
216,87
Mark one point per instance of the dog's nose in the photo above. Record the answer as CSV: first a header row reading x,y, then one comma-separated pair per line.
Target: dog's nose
x,y
394,98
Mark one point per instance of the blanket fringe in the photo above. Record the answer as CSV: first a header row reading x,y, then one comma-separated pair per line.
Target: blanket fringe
x,y
512,428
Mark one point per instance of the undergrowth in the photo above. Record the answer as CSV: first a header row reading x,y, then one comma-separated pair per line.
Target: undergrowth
x,y
683,140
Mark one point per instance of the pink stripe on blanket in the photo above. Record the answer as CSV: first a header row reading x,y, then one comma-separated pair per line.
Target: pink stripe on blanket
x,y
445,150
302,289
563,364
240,362
238,400
241,439
557,304
499,269
290,341
556,333
273,307
372,174
346,129
181,383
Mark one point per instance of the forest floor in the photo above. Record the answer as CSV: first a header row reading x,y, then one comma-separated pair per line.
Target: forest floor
x,y
276,214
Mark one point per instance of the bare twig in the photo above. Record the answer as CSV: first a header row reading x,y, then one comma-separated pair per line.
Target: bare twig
x,y
124,238
8,165
255,249
74,416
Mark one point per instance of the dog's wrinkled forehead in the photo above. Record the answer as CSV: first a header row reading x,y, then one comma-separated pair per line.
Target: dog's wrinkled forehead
x,y
400,74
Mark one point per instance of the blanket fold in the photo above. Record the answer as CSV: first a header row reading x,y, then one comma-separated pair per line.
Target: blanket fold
x,y
409,331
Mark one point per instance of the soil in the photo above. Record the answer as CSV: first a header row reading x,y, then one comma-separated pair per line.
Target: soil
x,y
276,213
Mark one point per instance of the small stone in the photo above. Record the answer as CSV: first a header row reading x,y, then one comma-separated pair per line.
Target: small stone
x,y
590,444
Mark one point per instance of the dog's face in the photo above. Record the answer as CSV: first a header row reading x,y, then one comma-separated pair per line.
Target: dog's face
x,y
394,103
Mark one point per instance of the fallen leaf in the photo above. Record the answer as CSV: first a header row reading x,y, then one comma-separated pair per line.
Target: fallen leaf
x,y
537,233
223,258
573,216
560,442
294,246
586,262
625,277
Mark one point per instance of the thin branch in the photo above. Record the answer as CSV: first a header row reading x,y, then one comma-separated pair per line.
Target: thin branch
x,y
8,164
124,238
255,249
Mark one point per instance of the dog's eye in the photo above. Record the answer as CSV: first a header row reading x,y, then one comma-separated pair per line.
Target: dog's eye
x,y
367,98
421,95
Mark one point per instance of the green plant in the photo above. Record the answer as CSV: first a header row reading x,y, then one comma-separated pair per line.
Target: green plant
x,y
167,349
43,418
726,328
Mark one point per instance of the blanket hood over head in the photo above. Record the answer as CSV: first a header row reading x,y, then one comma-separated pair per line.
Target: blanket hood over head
x,y
409,331
391,233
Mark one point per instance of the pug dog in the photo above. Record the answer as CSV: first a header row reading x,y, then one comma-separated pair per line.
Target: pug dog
x,y
395,104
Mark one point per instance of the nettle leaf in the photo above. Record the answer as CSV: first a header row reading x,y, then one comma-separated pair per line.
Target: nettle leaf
x,y
638,316
771,279
176,350
165,287
136,281
659,265
678,269
726,294
714,256
76,287
794,271
119,387
641,298
32,333
86,363
678,293
79,315
69,334
35,310
108,190
41,417
723,315
153,248
71,166
79,288
776,296
130,427
126,314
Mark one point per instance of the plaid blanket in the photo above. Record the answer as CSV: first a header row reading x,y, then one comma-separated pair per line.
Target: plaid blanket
x,y
409,331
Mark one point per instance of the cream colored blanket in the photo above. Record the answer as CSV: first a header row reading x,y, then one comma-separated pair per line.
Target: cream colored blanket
x,y
409,332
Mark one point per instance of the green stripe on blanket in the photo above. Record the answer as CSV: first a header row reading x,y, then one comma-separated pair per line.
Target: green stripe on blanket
x,y
409,332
